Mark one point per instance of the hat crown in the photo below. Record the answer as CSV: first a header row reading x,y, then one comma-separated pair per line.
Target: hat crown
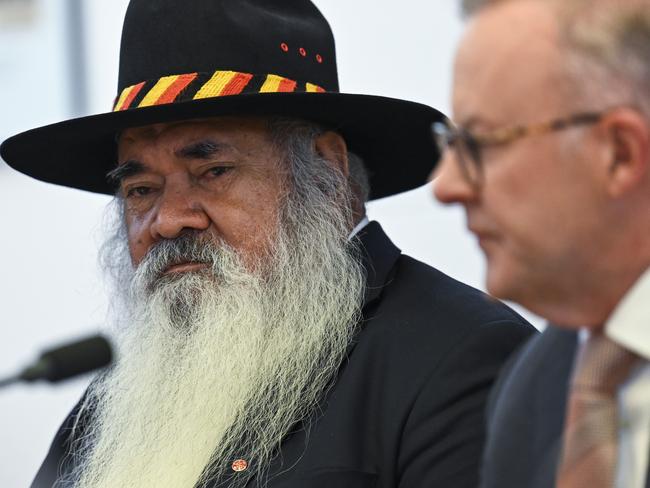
x,y
192,59
289,38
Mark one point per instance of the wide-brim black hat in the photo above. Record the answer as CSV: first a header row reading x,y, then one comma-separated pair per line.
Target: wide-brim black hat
x,y
189,59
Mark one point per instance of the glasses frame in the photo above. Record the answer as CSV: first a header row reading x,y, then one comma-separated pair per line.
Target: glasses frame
x,y
468,145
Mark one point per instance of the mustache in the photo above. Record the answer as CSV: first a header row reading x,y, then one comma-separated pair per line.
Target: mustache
x,y
190,247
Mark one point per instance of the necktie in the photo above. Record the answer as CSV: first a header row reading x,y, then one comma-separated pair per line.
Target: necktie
x,y
590,447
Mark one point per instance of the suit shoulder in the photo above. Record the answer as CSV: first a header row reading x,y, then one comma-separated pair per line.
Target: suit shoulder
x,y
431,293
424,318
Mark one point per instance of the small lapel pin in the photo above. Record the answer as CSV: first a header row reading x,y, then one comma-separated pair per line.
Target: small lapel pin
x,y
239,465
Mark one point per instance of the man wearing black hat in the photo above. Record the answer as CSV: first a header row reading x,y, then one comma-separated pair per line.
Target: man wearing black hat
x,y
270,334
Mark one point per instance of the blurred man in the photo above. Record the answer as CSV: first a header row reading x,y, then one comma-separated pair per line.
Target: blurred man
x,y
551,159
270,335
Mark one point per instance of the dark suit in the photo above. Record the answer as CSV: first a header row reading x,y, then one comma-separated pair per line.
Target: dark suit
x,y
526,414
407,408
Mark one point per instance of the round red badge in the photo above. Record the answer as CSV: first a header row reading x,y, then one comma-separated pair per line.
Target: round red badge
x,y
239,465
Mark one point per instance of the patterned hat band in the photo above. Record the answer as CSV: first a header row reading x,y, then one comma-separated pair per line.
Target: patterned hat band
x,y
194,86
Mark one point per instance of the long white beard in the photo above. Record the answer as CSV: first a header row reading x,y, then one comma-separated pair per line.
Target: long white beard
x,y
218,366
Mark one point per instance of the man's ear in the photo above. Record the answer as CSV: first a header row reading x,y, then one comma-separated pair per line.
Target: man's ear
x,y
332,147
629,164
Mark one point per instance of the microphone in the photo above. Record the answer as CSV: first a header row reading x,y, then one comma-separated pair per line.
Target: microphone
x,y
66,361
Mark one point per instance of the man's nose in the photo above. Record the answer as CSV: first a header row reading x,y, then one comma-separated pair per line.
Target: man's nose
x,y
449,183
178,210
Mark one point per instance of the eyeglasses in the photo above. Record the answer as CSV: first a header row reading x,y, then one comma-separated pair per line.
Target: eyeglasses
x,y
468,146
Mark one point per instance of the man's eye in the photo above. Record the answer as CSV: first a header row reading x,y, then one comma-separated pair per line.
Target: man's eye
x,y
218,170
138,191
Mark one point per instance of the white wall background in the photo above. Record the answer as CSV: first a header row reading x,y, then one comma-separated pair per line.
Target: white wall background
x,y
50,288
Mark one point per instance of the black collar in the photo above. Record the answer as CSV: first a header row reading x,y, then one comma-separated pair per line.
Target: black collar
x,y
378,257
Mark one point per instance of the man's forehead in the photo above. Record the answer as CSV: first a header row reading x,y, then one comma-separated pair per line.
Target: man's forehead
x,y
142,148
509,57
231,124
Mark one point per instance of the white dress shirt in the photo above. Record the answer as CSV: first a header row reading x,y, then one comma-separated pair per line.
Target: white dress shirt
x,y
629,326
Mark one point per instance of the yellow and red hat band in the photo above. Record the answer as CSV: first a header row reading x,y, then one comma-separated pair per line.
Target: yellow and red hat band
x,y
194,86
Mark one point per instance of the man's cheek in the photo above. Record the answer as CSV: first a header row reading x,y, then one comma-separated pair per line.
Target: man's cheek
x,y
137,240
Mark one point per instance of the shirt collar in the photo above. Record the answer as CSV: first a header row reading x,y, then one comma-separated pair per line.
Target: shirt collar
x,y
629,324
364,221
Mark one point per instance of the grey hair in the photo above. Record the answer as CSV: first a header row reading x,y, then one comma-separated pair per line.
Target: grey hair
x,y
296,137
607,44
359,176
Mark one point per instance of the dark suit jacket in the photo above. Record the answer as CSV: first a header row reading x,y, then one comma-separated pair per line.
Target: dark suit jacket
x,y
526,414
407,407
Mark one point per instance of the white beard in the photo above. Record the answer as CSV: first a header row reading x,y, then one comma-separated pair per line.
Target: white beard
x,y
219,366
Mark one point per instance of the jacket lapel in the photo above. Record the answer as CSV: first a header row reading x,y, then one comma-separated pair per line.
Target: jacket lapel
x,y
551,394
528,414
378,257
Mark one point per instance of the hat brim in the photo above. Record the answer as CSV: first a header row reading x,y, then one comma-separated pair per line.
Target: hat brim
x,y
392,136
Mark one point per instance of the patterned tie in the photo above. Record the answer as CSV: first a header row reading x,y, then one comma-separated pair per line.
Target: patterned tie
x,y
590,448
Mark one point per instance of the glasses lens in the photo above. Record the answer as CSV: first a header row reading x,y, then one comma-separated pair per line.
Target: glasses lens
x,y
441,136
468,157
447,136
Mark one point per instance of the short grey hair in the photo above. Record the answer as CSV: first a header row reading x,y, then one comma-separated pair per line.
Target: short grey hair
x,y
607,44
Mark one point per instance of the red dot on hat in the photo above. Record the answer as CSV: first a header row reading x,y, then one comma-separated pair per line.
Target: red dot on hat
x,y
319,58
284,47
303,52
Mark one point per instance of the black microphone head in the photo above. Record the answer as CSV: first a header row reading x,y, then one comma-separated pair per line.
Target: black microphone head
x,y
74,359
